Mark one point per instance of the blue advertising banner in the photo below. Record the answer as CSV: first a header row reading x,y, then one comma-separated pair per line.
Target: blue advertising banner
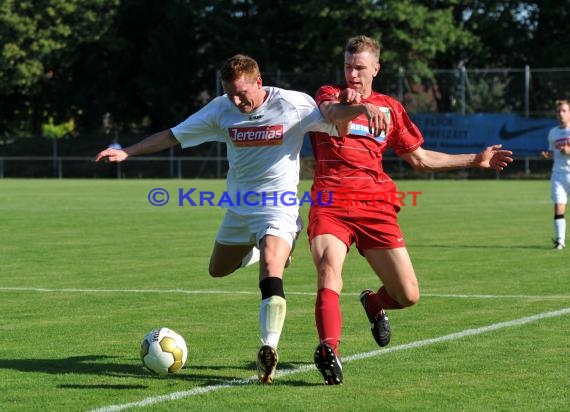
x,y
454,133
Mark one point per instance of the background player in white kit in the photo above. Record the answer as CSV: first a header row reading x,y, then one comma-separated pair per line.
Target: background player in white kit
x,y
559,150
263,128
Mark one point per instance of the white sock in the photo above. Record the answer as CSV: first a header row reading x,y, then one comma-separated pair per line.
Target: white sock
x,y
560,230
271,318
251,258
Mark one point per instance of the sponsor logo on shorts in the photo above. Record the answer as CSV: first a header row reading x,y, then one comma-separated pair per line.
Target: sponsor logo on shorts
x,y
256,136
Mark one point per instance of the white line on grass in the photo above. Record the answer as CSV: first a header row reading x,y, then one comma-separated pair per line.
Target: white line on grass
x,y
237,292
305,368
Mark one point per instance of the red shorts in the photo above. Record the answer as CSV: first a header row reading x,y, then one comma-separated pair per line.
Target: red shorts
x,y
367,224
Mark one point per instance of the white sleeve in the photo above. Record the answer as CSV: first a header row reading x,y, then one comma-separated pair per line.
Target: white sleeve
x,y
311,118
200,127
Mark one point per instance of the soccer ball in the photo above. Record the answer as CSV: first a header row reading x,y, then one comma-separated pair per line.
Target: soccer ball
x,y
163,351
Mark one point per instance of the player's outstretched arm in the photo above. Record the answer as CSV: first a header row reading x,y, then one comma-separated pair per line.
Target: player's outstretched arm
x,y
154,143
493,157
347,106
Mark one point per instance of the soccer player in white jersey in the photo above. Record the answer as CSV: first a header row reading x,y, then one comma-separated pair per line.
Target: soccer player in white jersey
x,y
263,128
559,151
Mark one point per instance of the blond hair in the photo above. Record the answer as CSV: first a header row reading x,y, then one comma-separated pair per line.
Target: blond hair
x,y
359,44
238,65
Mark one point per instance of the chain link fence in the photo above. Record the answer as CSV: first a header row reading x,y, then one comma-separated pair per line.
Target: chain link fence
x,y
525,91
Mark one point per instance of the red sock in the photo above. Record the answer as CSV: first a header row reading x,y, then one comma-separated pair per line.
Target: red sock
x,y
381,300
328,317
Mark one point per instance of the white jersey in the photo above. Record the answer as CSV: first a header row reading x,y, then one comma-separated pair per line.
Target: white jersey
x,y
558,137
263,146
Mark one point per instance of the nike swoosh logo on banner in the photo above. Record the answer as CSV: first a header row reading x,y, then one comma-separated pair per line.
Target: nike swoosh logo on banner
x,y
505,134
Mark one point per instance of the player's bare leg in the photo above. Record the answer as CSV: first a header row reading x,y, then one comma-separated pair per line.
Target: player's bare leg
x,y
226,259
329,254
400,289
395,269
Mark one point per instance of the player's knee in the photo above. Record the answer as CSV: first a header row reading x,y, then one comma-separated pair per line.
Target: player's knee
x,y
218,272
409,297
329,277
327,272
272,266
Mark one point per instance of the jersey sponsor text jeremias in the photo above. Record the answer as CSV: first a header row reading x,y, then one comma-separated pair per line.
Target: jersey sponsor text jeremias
x,y
256,136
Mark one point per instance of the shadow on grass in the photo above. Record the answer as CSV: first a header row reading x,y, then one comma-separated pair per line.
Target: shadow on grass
x,y
92,364
102,386
110,366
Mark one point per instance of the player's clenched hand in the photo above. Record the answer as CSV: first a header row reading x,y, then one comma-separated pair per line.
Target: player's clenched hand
x,y
111,155
349,96
493,157
377,122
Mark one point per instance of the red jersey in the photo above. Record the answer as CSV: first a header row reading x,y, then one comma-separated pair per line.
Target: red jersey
x,y
353,163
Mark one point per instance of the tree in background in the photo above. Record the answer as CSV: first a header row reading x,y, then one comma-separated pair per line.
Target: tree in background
x,y
39,41
151,63
510,34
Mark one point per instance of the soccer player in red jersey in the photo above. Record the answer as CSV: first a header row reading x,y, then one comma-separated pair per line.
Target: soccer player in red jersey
x,y
364,200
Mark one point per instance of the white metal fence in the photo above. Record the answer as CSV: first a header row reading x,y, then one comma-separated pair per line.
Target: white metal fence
x,y
178,167
527,91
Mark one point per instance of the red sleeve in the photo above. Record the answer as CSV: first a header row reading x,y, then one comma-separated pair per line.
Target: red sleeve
x,y
407,136
327,93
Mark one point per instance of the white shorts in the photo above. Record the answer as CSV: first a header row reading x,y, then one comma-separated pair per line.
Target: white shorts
x,y
560,187
238,229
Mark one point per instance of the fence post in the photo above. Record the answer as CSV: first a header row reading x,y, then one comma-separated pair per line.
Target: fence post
x,y
55,164
462,86
526,90
401,84
171,161
218,144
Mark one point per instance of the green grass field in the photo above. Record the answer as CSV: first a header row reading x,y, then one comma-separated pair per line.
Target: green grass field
x,y
87,267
